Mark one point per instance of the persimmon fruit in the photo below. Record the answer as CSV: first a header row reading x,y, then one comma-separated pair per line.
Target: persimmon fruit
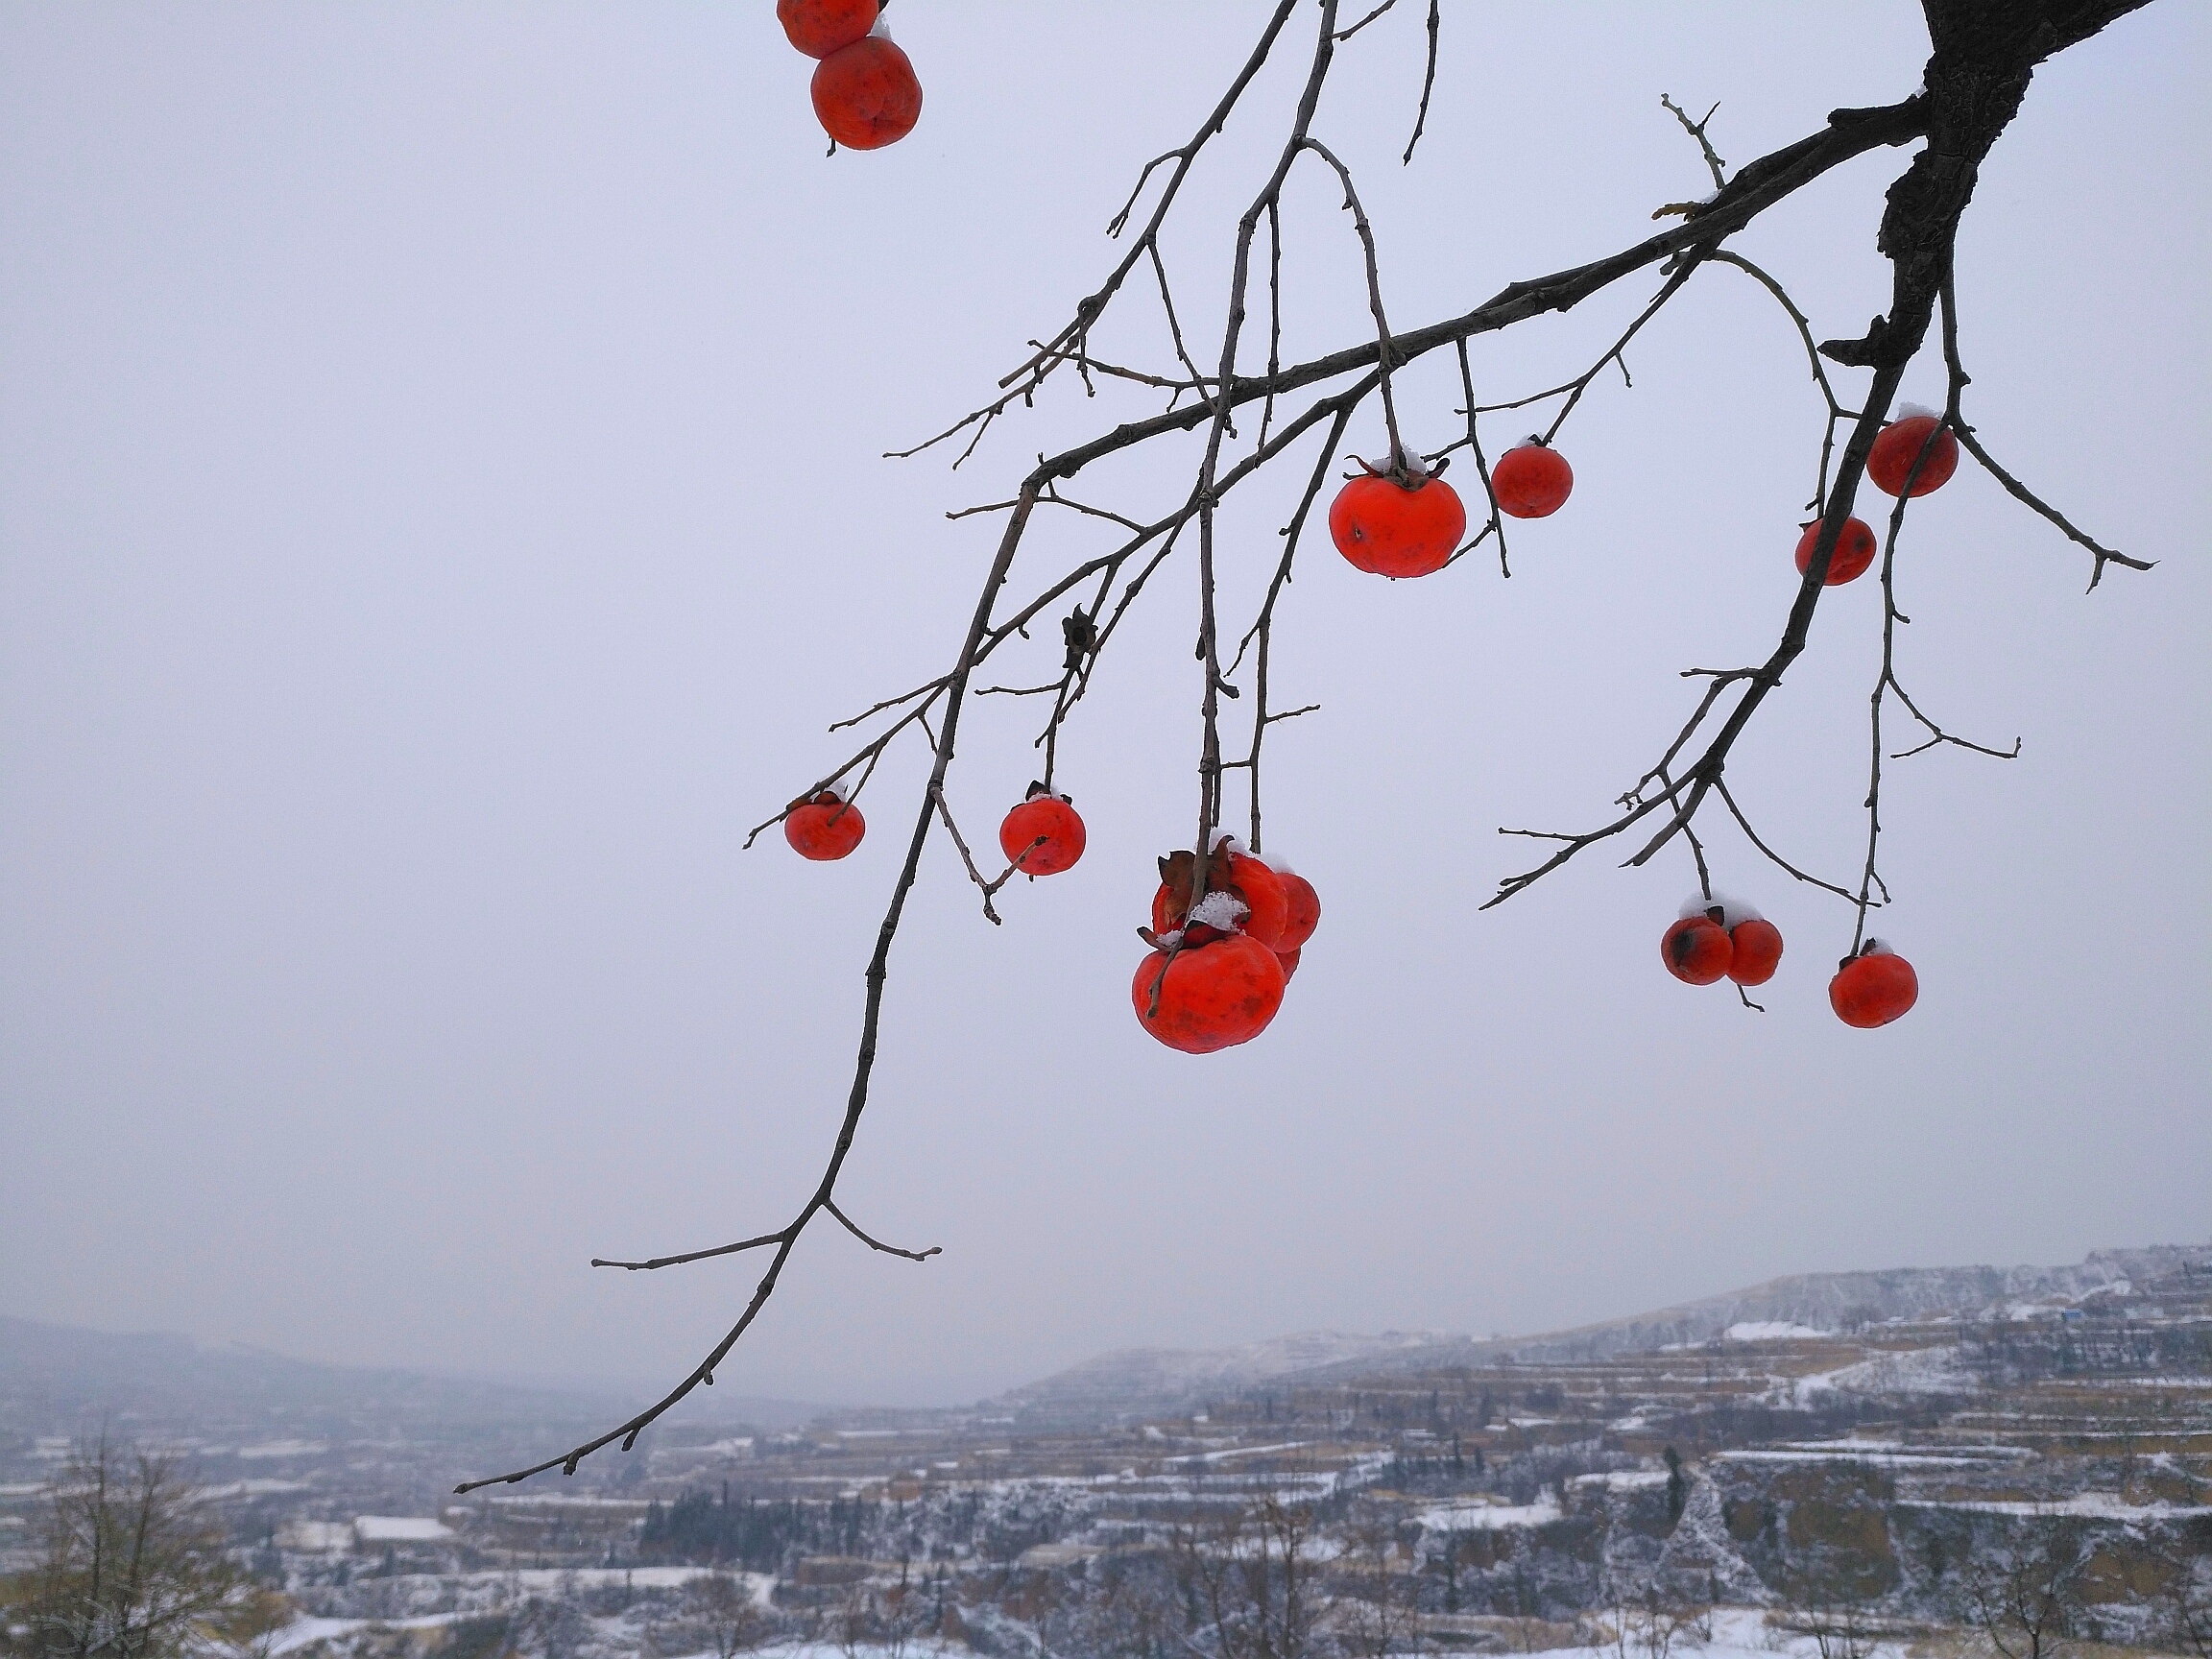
x,y
1304,913
1755,950
1890,461
1389,528
1212,996
821,27
1043,835
1231,870
866,94
1531,480
1696,950
825,827
1873,988
1855,550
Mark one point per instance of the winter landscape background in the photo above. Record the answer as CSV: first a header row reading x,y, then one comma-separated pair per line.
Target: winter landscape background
x,y
1832,1463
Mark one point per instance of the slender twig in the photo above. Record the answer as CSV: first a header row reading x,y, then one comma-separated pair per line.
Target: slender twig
x,y
877,1243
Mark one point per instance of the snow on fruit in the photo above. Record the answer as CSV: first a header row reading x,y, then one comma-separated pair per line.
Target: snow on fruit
x,y
1043,835
1531,480
826,826
1873,988
1890,463
1855,550
821,27
866,94
1397,521
1229,869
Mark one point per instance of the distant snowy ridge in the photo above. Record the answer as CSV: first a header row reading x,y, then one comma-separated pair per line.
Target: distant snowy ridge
x,y
1140,1381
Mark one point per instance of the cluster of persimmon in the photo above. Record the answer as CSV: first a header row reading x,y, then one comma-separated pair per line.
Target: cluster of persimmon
x,y
865,91
1220,958
1404,520
1721,939
1888,464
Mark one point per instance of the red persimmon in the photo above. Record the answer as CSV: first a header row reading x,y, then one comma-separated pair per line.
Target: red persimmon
x,y
1229,869
1305,914
1755,950
1393,529
1212,997
1890,461
1873,988
1531,480
1696,950
826,826
1043,835
1855,550
866,94
1289,961
821,27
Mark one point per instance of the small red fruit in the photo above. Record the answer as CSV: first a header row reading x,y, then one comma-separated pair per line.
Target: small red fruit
x,y
1304,912
1890,461
827,827
866,95
1696,950
1873,988
1756,952
1855,550
1393,529
1043,835
1531,480
1210,996
1289,961
821,27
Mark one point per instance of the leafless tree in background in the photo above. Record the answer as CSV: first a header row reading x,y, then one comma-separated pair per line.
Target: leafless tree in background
x,y
1241,418
133,1566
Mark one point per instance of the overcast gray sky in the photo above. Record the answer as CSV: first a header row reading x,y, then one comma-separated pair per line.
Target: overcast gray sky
x,y
440,510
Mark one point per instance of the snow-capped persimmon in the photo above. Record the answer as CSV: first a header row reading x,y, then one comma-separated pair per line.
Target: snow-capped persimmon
x,y
1696,950
1304,913
1873,988
866,94
1208,997
1855,550
1255,889
826,826
821,27
1043,835
1755,950
1389,528
1531,480
1890,463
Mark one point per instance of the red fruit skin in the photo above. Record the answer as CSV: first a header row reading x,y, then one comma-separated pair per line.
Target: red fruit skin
x,y
1756,952
1289,961
1899,445
1388,530
865,94
1265,896
1165,920
1855,551
1531,482
1304,913
1696,950
1212,997
824,828
821,27
1870,991
1053,819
